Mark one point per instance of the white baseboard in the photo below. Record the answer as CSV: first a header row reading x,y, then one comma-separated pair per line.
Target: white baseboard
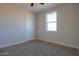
x,y
61,43
19,42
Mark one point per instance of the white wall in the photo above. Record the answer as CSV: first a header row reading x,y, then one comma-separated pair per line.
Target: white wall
x,y
67,24
16,25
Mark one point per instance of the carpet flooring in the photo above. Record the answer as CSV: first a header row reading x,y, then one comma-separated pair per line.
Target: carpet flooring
x,y
39,48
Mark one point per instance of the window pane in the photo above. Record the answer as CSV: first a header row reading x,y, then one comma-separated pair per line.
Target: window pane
x,y
52,27
51,17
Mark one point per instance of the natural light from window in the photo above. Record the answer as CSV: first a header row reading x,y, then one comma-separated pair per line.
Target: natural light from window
x,y
51,22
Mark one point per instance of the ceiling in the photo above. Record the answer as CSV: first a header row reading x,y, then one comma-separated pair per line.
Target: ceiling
x,y
37,8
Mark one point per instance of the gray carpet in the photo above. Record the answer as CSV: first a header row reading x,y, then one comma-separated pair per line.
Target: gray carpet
x,y
39,48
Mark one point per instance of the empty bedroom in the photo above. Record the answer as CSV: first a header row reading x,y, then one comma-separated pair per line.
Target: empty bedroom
x,y
39,29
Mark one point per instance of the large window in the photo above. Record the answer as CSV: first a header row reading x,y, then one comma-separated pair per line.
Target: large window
x,y
51,22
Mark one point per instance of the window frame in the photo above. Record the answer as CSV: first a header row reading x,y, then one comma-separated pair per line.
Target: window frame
x,y
51,22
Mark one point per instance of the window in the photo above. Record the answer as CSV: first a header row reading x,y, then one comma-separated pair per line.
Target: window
x,y
51,22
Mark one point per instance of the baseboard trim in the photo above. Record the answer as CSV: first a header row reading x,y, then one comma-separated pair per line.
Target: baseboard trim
x,y
60,43
12,44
